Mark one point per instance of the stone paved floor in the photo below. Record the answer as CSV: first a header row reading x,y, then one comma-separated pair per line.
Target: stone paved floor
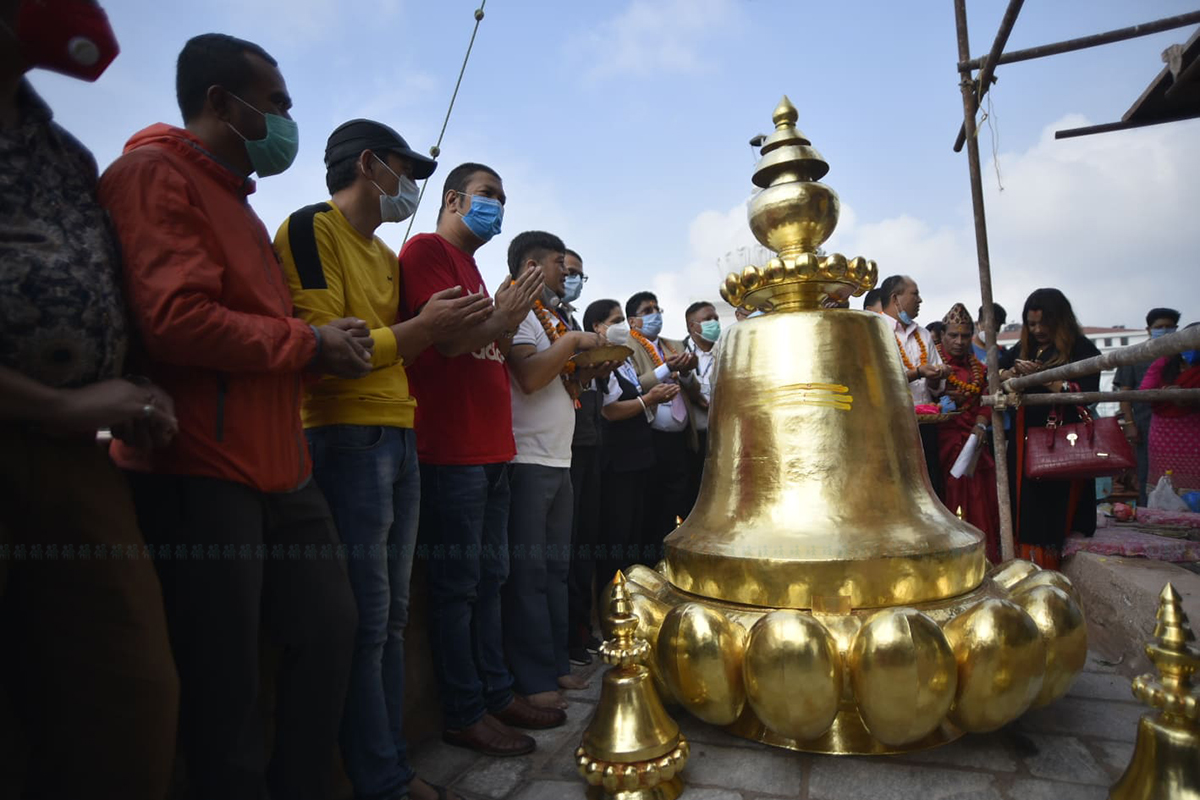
x,y
1073,750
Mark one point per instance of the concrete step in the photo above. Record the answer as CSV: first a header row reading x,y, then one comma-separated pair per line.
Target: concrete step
x,y
1120,600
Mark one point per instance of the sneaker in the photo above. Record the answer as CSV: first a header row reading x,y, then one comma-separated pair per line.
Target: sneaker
x,y
579,656
592,645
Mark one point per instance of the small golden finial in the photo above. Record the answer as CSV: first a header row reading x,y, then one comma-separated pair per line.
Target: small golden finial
x,y
624,649
785,114
1164,762
631,749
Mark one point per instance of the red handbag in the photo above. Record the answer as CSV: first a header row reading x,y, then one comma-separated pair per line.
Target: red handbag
x,y
1078,450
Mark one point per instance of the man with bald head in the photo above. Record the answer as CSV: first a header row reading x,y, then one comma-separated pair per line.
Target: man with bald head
x,y
923,365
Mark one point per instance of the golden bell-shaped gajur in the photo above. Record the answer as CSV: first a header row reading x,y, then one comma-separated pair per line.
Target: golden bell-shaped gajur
x,y
631,748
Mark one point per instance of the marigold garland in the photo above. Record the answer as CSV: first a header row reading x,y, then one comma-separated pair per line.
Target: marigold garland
x,y
555,329
648,346
977,375
904,356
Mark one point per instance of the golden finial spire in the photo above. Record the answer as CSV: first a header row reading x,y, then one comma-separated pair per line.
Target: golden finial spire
x,y
785,114
632,749
1164,762
624,649
793,215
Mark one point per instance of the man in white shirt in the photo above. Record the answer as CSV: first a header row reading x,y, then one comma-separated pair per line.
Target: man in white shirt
x,y
704,329
534,600
661,360
923,365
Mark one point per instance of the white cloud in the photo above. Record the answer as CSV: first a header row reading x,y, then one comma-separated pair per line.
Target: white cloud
x,y
1108,219
657,36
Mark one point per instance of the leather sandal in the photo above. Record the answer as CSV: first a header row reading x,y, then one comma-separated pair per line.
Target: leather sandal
x,y
520,713
489,740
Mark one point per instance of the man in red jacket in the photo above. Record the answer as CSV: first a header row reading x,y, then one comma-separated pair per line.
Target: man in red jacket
x,y
244,540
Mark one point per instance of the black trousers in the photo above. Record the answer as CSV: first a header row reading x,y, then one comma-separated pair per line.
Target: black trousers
x,y
84,655
667,497
622,514
585,531
933,460
236,565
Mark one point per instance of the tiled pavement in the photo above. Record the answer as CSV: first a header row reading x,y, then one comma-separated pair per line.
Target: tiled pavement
x,y
1072,750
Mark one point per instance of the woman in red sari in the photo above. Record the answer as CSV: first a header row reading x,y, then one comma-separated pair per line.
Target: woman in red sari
x,y
974,494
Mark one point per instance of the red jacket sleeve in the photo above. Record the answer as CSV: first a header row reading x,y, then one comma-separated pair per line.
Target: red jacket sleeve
x,y
173,277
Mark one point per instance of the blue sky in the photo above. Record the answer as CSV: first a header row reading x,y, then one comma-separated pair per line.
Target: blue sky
x,y
623,127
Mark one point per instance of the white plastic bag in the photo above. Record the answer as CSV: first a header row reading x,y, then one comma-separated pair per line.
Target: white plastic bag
x,y
1164,498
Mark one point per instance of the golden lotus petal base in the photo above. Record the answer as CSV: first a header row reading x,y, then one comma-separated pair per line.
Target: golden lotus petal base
x,y
867,681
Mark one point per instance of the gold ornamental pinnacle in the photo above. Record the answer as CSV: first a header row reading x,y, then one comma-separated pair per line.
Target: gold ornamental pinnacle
x,y
632,749
1166,758
819,596
793,215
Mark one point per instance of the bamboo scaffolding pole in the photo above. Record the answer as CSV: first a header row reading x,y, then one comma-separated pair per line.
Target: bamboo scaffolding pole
x,y
1012,400
1169,345
970,107
1096,39
984,80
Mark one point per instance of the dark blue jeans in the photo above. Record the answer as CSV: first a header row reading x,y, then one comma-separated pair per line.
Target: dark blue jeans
x,y
370,477
464,534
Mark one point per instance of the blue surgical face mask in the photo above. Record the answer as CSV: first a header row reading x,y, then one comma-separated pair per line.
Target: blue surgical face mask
x,y
401,205
1155,333
484,217
710,330
276,151
905,318
651,325
572,288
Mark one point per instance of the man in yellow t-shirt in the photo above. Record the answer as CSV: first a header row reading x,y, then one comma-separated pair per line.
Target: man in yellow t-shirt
x,y
360,431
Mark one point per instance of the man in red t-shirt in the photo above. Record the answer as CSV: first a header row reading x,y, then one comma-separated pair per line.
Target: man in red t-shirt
x,y
464,440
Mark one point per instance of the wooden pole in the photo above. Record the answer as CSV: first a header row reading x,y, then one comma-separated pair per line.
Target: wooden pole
x,y
1169,345
970,106
984,79
1181,396
1108,37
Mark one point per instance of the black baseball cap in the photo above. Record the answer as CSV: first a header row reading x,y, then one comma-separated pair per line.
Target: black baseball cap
x,y
351,138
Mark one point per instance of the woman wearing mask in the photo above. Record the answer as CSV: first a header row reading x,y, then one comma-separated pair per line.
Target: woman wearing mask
x,y
626,449
1175,429
1046,510
974,494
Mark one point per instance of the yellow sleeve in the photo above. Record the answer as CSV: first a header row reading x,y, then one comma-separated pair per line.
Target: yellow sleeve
x,y
307,249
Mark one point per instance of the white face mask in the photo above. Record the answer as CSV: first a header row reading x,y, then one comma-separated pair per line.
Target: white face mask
x,y
618,333
401,205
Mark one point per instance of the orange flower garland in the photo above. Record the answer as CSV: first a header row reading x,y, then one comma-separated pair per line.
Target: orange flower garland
x,y
555,329
904,356
647,345
977,375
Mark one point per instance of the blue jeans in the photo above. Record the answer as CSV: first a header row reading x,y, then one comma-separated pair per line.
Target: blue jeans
x,y
464,535
370,478
535,597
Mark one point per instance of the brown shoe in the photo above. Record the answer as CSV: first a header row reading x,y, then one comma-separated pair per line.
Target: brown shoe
x,y
520,713
489,740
